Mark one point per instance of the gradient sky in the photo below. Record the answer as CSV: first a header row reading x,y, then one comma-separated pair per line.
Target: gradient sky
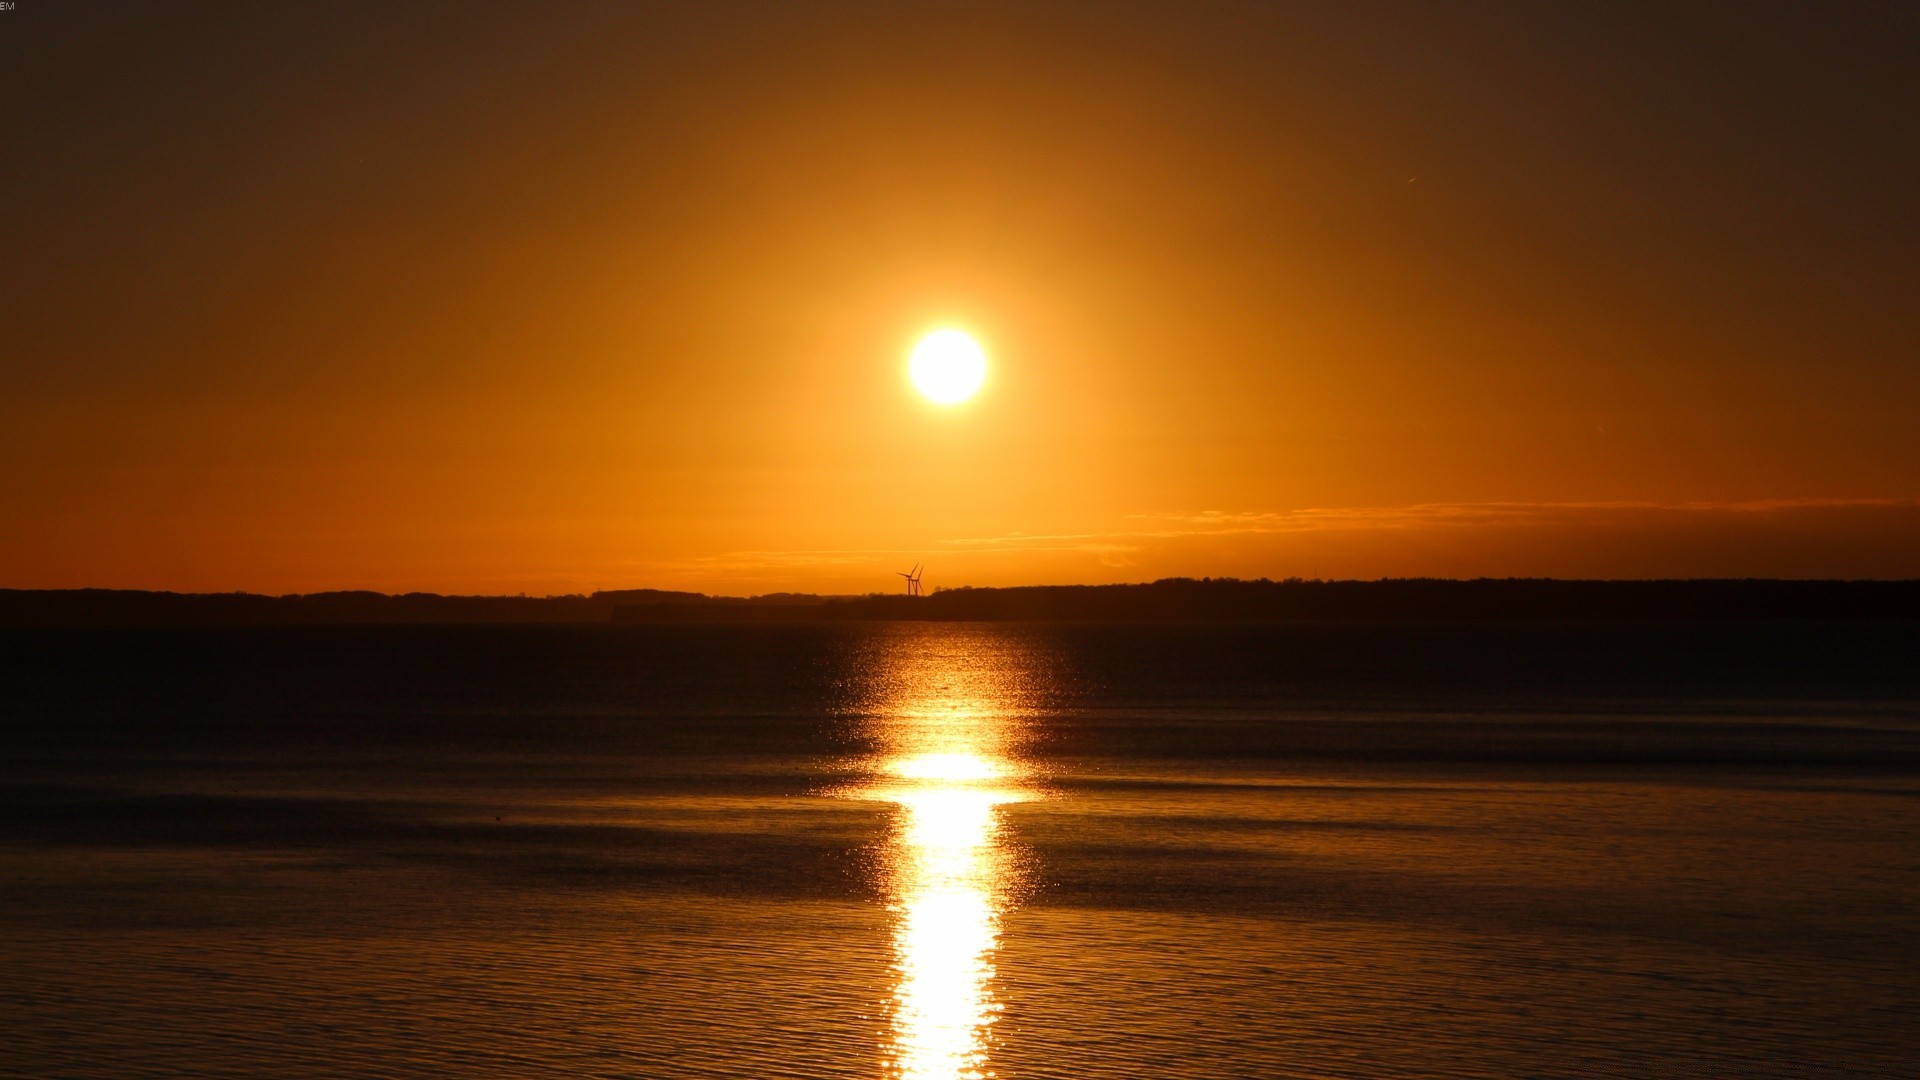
x,y
546,298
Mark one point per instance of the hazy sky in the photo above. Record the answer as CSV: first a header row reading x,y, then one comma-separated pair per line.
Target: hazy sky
x,y
504,297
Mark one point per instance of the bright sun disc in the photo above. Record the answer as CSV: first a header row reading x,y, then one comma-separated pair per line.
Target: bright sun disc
x,y
947,366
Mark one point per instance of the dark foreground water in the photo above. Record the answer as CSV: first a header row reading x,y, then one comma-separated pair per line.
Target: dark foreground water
x,y
946,851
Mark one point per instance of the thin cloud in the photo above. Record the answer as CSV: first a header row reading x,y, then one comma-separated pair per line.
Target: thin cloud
x,y
1391,518
1420,515
1126,547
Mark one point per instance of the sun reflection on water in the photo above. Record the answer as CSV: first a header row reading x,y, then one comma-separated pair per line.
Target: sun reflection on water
x,y
950,724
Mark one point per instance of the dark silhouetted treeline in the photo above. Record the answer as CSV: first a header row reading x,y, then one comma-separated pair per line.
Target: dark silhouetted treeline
x,y
1173,599
1412,599
1406,599
120,607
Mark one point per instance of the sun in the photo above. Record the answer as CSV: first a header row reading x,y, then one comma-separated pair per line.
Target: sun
x,y
947,367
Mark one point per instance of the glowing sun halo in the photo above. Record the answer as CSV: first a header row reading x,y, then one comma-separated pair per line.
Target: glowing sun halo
x,y
947,366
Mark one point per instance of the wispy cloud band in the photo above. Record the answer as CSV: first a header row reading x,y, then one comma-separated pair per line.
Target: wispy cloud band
x,y
1139,535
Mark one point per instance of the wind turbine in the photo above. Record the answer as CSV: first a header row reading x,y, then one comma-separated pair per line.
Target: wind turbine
x,y
913,579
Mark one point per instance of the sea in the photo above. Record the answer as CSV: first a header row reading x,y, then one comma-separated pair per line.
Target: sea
x,y
962,850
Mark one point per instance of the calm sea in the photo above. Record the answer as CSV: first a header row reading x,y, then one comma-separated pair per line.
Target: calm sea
x,y
944,851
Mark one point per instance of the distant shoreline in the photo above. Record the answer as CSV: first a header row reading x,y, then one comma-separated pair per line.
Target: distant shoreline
x,y
1169,600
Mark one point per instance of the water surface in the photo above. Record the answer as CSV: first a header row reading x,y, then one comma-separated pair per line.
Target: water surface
x,y
961,850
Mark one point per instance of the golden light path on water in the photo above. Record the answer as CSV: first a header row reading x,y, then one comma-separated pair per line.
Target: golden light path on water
x,y
949,721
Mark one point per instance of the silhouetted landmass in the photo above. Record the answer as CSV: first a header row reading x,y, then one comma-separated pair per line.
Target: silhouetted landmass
x,y
1409,599
1173,599
120,607
1228,599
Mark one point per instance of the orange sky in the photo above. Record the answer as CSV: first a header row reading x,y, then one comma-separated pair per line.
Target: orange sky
x,y
497,300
